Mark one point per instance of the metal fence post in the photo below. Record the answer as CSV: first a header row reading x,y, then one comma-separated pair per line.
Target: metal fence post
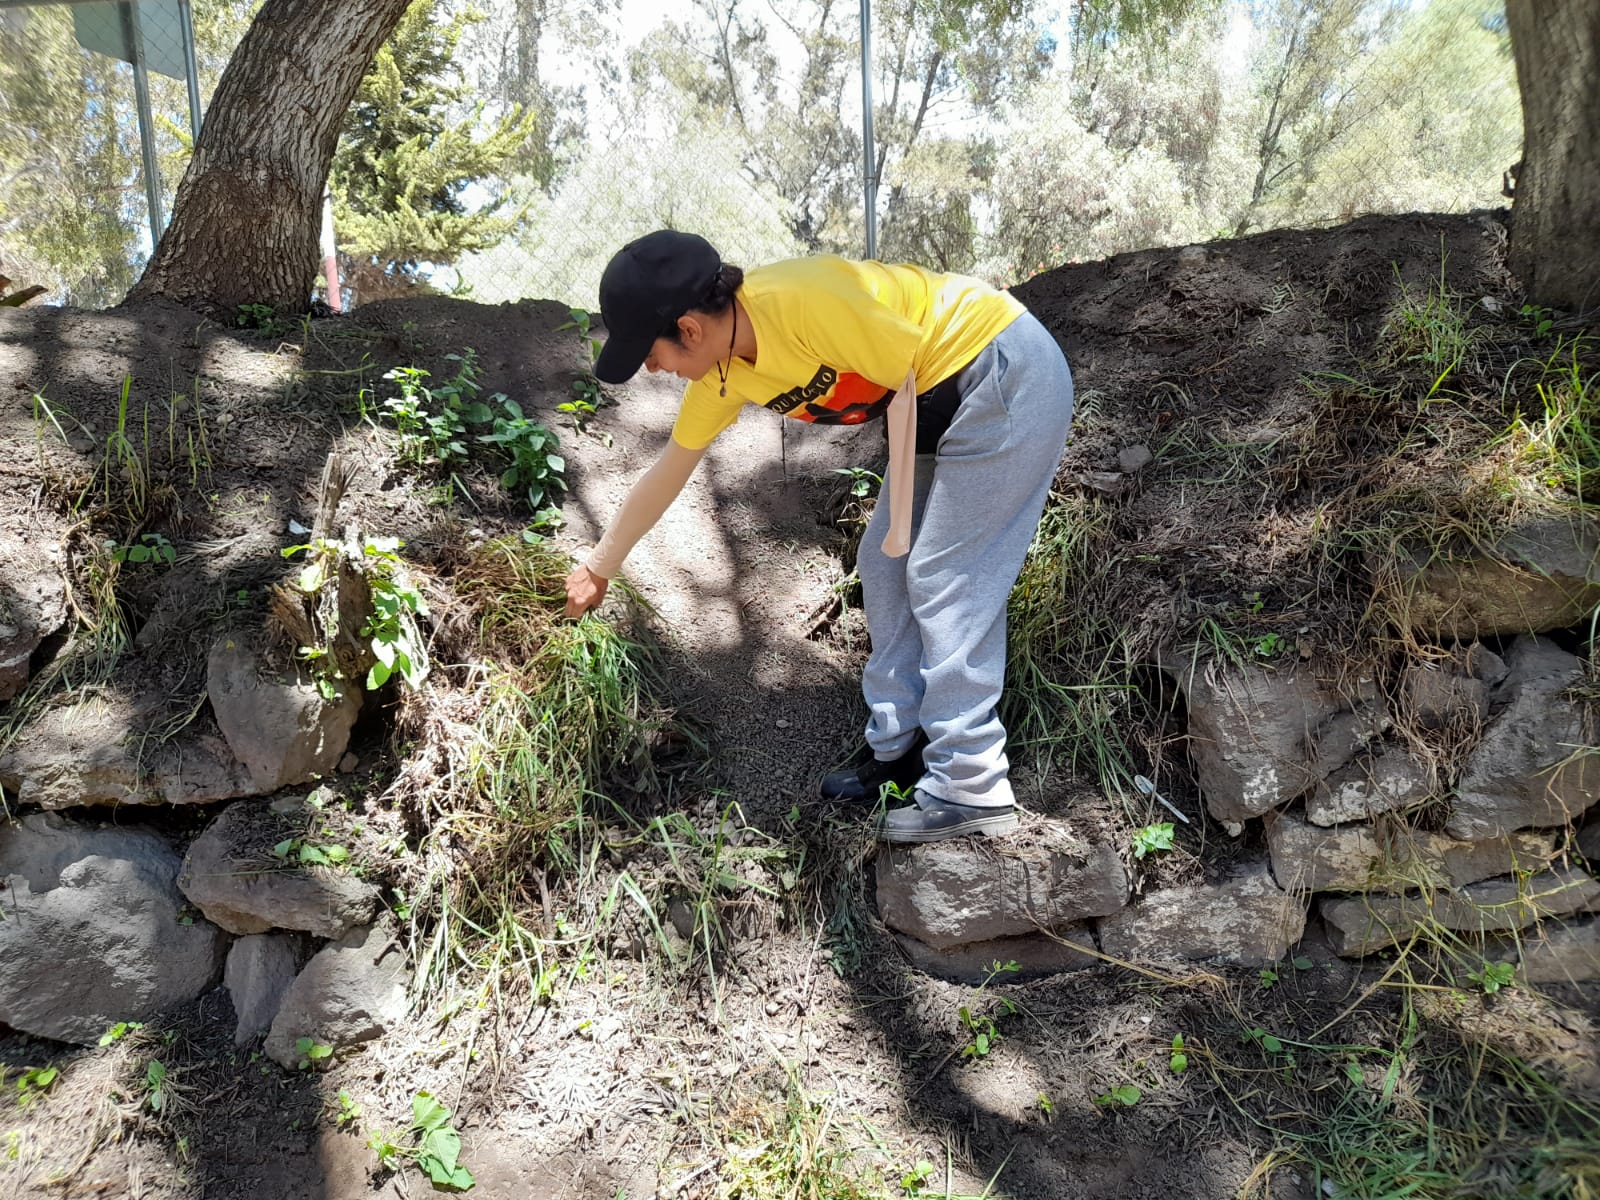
x,y
147,138
869,174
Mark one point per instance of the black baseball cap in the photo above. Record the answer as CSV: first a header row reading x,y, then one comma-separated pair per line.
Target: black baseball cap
x,y
646,286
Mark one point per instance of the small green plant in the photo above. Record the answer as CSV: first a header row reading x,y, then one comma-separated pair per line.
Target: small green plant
x,y
436,1149
35,1082
348,1112
150,548
914,1180
119,1031
862,481
1267,979
1179,1061
308,854
982,1028
1491,977
581,320
1270,645
432,421
158,1091
1152,838
312,1053
1047,1107
1542,319
395,639
263,318
1125,1094
535,467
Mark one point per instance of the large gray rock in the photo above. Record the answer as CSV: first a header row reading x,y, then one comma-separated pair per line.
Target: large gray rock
x,y
232,877
1391,781
1452,691
1035,955
33,605
258,973
948,894
91,931
279,726
1388,857
1528,769
99,750
1542,575
1260,738
1245,920
350,992
1361,925
1560,952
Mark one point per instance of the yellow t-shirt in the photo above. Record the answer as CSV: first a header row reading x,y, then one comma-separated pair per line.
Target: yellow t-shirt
x,y
835,338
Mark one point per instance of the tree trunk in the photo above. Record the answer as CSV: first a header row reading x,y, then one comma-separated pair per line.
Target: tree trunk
x,y
1555,228
248,214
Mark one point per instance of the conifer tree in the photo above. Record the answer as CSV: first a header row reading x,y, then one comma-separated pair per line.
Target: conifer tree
x,y
408,155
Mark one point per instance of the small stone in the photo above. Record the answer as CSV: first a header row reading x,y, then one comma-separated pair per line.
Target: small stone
x,y
1106,483
1246,920
348,764
782,724
1191,257
1132,459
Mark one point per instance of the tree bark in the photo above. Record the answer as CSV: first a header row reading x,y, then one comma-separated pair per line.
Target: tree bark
x,y
1555,227
245,224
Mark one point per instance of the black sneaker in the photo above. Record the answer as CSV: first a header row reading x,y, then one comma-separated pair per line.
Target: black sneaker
x,y
930,820
865,783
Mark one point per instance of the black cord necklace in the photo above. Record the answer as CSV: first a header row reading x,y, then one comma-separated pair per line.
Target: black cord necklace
x,y
722,375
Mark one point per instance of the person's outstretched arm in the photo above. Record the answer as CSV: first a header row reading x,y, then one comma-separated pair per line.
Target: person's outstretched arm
x,y
649,497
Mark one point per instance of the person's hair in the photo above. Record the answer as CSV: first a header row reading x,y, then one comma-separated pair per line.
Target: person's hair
x,y
717,300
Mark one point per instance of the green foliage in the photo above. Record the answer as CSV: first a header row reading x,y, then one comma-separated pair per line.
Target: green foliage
x,y
981,1028
1152,838
312,1053
432,421
35,1082
158,1089
309,854
348,1112
118,1031
1178,1061
1125,1094
394,637
1491,977
150,548
862,481
535,467
263,318
408,154
435,1148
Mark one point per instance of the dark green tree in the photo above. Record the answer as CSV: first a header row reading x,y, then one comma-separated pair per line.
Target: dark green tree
x,y
407,159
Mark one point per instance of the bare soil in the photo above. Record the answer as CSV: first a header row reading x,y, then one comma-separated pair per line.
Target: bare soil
x,y
638,1079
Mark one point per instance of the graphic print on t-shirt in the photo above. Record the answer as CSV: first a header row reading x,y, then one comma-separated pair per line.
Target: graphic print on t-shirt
x,y
833,399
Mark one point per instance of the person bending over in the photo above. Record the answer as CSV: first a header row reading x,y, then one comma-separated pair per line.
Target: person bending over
x,y
978,399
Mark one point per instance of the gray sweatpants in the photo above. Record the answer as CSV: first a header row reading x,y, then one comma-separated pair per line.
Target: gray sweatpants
x,y
938,615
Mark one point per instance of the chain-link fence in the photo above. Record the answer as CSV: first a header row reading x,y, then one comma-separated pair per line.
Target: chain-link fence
x,y
1007,137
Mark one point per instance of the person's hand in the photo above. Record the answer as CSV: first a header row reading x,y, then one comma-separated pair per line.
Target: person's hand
x,y
585,590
